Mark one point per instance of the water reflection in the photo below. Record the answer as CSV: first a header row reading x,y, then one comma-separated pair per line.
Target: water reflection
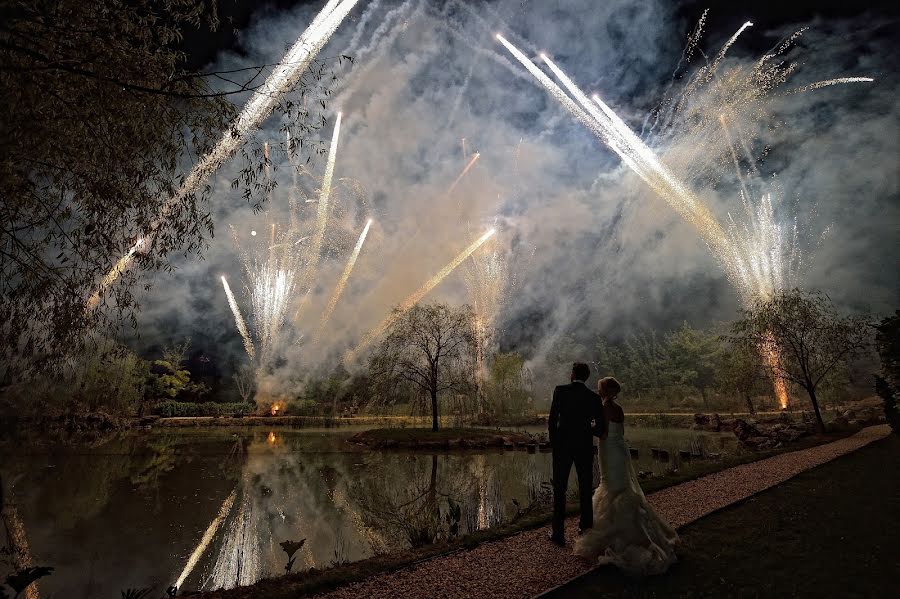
x,y
210,509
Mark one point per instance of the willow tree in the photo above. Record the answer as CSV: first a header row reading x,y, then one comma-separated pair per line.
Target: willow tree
x,y
101,117
814,340
430,347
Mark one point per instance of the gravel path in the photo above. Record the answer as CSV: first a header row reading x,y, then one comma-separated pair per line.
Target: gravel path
x,y
526,564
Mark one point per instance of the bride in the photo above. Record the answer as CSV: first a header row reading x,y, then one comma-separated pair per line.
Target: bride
x,y
627,532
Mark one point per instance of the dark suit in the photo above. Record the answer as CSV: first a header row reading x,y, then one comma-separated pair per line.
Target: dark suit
x,y
576,416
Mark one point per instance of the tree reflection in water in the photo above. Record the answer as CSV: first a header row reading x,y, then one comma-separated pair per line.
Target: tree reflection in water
x,y
348,503
435,498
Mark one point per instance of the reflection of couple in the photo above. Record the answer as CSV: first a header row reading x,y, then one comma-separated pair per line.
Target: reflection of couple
x,y
621,529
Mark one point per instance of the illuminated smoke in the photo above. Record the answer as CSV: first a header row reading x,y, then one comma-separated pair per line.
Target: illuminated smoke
x,y
342,282
465,170
487,278
417,296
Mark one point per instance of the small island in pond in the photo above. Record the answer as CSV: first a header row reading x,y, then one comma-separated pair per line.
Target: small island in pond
x,y
448,438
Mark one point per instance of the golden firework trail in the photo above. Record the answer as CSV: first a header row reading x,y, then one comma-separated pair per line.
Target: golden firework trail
x,y
342,282
113,274
465,170
322,212
260,106
644,162
239,320
750,256
206,539
417,296
302,304
828,82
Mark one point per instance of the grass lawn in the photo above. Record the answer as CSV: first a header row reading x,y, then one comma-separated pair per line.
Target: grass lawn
x,y
833,531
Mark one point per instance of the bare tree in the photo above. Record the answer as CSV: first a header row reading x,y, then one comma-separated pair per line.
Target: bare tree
x,y
245,381
431,347
812,339
176,354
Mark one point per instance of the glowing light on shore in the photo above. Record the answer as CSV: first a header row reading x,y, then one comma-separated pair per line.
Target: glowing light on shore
x,y
206,539
239,320
322,212
257,109
417,296
342,282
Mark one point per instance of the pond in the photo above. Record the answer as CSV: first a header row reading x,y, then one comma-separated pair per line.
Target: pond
x,y
210,508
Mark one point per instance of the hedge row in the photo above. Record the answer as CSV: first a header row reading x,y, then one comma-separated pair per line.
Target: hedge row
x,y
168,409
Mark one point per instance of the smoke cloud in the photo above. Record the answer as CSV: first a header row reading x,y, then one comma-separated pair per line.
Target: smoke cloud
x,y
593,251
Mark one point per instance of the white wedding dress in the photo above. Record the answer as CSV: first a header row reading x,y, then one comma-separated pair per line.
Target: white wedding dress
x,y
627,532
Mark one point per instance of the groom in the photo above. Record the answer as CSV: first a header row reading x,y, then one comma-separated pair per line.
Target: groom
x,y
576,416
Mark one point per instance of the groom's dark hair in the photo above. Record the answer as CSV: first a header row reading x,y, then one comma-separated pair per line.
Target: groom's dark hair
x,y
581,371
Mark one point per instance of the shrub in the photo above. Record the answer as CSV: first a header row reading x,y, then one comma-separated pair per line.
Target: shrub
x,y
169,409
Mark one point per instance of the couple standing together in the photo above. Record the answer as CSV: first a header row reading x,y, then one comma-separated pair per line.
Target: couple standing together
x,y
620,528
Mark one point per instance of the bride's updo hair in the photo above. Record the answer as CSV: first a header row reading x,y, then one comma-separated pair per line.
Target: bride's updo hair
x,y
609,387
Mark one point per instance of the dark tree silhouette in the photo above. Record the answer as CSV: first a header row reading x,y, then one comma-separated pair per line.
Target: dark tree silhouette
x,y
100,118
813,339
430,347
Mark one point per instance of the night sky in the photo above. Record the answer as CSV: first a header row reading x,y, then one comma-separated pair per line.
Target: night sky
x,y
203,45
